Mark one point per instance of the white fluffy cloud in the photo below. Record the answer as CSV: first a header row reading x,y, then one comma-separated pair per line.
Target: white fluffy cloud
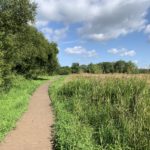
x,y
79,50
147,29
101,19
122,52
54,35
69,11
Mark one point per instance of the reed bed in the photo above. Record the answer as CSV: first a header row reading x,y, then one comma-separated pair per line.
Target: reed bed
x,y
102,112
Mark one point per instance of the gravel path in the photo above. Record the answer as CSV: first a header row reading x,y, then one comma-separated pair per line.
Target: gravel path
x,y
33,131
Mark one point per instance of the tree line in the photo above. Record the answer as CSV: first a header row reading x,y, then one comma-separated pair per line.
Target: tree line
x,y
23,49
104,67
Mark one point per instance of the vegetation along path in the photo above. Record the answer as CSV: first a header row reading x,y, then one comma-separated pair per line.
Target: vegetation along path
x,y
33,131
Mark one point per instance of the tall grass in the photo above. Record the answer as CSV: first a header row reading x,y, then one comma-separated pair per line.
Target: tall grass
x,y
15,102
108,114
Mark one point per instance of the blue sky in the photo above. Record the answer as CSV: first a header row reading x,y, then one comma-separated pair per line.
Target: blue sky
x,y
92,31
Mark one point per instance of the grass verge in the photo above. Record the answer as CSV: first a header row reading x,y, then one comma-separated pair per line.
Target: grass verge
x,y
14,103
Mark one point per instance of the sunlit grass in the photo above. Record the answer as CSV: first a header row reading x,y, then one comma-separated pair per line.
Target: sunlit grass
x,y
101,113
15,102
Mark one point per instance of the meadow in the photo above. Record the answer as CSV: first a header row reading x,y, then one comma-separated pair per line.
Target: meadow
x,y
101,112
15,102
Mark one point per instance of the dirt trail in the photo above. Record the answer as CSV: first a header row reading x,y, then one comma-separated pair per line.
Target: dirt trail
x,y
33,131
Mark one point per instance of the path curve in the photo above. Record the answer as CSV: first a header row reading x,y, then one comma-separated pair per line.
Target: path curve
x,y
33,131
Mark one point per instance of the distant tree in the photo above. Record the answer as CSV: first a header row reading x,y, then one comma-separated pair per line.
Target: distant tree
x,y
64,70
143,70
100,67
120,66
83,68
107,67
130,67
93,68
75,68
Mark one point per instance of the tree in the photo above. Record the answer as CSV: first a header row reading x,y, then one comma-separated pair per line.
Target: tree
x,y
1,68
107,67
64,70
75,68
93,68
120,66
22,47
35,54
130,67
15,14
83,68
52,57
14,17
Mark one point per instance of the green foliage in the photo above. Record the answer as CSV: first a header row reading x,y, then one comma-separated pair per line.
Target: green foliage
x,y
64,70
143,70
92,114
15,102
12,23
92,68
52,62
75,68
107,67
1,68
5,76
23,50
35,54
15,14
120,66
84,68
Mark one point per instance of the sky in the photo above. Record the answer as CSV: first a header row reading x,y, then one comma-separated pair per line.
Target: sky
x,y
93,31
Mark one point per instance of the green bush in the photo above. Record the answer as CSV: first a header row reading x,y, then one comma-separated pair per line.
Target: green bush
x,y
64,71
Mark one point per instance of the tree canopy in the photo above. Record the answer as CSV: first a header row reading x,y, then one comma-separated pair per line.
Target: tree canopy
x,y
104,67
23,49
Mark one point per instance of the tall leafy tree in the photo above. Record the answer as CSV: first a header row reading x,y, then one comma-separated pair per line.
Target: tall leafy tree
x,y
75,68
52,58
23,49
107,67
130,67
14,17
93,68
120,66
84,68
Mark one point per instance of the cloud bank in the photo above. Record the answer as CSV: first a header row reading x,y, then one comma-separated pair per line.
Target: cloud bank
x,y
100,20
